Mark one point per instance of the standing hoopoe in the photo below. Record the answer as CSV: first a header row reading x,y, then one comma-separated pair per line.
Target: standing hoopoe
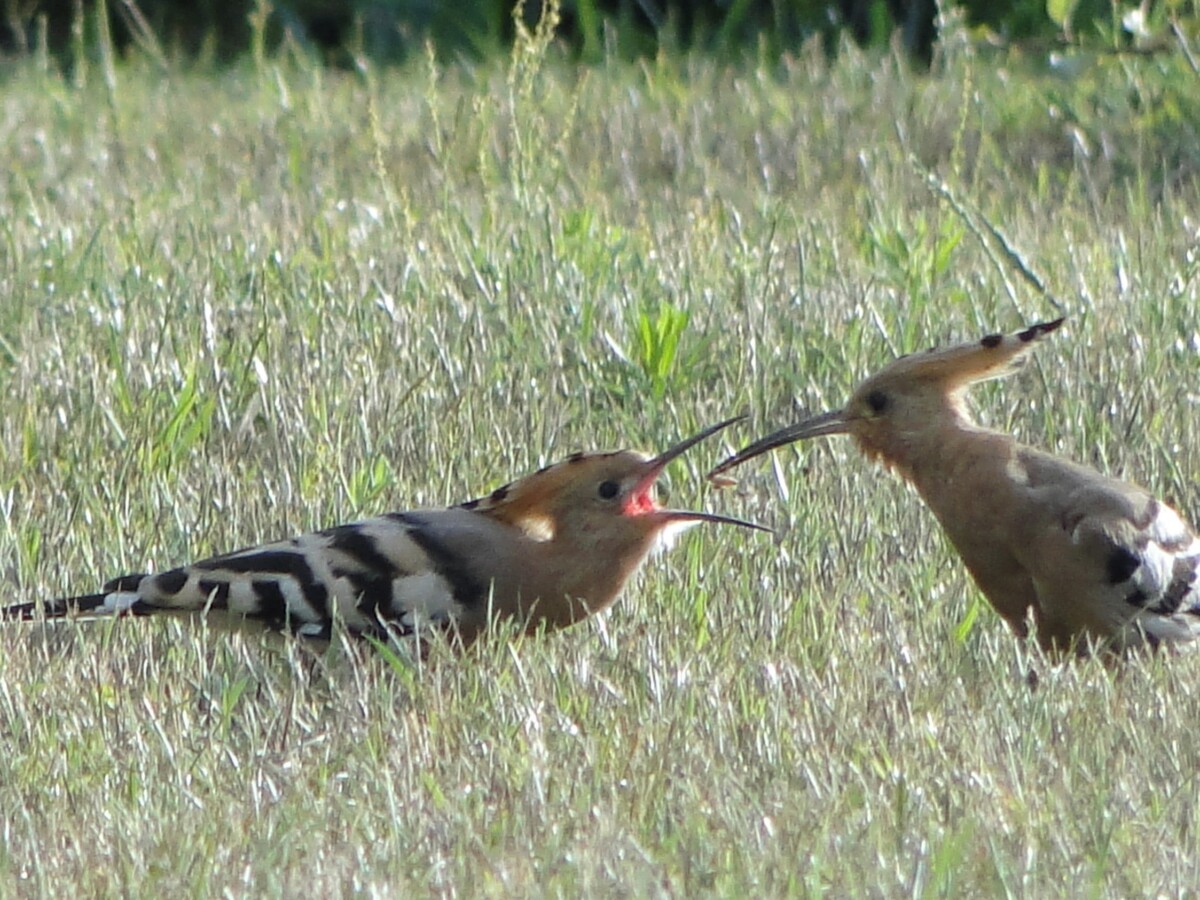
x,y
549,549
1095,560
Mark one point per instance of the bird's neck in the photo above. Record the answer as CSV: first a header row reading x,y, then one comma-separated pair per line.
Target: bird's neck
x,y
920,452
949,463
578,576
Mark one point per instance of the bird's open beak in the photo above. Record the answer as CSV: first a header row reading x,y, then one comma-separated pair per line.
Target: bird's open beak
x,y
827,423
641,496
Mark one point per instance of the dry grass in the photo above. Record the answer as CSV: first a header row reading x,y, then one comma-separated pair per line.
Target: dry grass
x,y
236,306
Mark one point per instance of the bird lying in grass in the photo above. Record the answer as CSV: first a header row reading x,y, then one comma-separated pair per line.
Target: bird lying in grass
x,y
1092,561
547,551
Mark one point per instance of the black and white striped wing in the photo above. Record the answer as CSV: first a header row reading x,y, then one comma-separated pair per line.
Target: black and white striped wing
x,y
390,572
1148,565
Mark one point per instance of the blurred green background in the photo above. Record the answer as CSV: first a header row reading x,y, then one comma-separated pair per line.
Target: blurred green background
x,y
391,30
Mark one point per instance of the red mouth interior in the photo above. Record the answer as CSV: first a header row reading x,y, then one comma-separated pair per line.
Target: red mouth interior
x,y
641,501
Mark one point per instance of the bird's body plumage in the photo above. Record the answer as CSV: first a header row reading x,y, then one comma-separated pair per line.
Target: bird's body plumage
x,y
1091,560
1088,557
546,551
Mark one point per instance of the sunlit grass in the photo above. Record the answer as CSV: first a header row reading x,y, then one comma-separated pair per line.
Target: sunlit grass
x,y
237,306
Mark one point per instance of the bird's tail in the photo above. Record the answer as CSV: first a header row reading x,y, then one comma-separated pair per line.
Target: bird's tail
x,y
53,609
119,597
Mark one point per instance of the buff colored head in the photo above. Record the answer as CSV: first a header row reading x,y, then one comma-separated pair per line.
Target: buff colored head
x,y
590,492
890,411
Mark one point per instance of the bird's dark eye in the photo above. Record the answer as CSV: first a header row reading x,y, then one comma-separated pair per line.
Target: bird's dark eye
x,y
608,490
878,401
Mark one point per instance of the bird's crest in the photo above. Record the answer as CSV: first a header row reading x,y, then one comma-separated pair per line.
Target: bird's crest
x,y
994,356
527,502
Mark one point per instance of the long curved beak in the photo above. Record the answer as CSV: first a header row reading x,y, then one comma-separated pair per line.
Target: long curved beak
x,y
827,423
688,517
642,490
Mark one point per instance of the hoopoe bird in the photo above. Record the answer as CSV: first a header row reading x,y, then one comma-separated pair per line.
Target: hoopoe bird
x,y
547,550
1094,562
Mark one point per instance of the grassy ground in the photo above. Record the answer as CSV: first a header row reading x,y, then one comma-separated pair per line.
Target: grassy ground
x,y
236,306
